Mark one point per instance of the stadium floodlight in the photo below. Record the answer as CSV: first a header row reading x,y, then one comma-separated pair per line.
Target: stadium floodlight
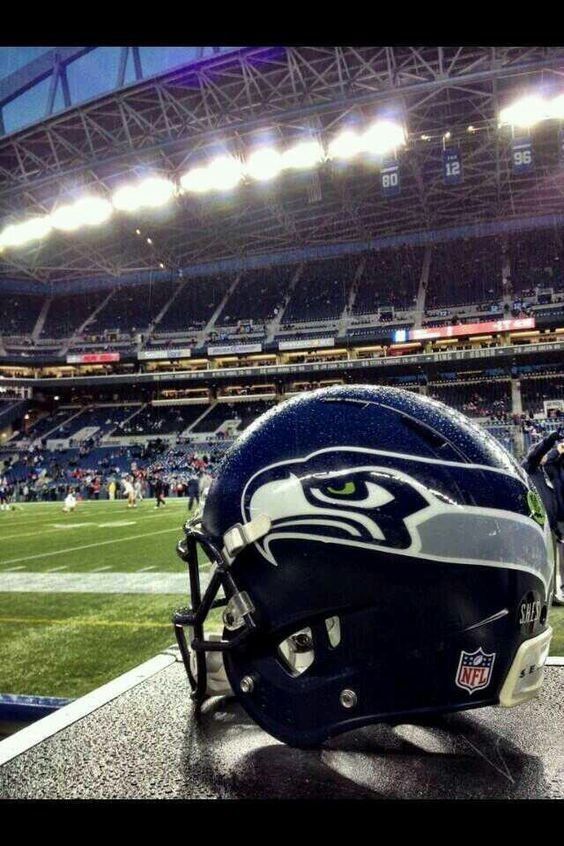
x,y
525,112
19,234
88,211
196,180
303,155
555,107
264,164
153,192
346,145
224,173
382,137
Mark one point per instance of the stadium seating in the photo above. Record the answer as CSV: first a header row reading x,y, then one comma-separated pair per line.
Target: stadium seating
x,y
48,422
490,399
103,418
244,412
161,420
465,278
133,308
248,412
195,304
390,279
536,390
19,313
464,272
257,295
322,291
66,314
535,261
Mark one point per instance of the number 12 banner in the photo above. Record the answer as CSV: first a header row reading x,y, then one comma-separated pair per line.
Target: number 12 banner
x,y
452,166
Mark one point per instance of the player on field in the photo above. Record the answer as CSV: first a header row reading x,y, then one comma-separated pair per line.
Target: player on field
x,y
138,488
204,486
129,492
193,490
158,487
4,496
70,502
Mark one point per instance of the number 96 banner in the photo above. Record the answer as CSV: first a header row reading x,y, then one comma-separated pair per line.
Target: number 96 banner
x,y
521,155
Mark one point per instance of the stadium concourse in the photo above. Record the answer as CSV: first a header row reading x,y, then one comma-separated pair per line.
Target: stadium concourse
x,y
192,237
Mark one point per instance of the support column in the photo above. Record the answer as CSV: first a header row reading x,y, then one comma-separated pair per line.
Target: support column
x,y
506,286
422,290
517,409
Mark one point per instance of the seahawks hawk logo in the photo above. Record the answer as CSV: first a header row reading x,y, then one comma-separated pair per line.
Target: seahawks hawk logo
x,y
365,505
350,497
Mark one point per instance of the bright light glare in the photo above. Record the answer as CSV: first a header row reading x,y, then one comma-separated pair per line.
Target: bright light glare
x,y
88,211
525,112
150,193
197,180
346,145
302,155
555,107
18,234
264,164
224,173
383,137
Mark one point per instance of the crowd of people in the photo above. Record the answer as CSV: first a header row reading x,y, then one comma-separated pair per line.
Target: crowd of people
x,y
149,471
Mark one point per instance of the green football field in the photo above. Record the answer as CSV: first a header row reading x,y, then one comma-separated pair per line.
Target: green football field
x,y
72,616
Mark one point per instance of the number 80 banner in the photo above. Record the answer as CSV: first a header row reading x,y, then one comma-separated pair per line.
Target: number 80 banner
x,y
389,179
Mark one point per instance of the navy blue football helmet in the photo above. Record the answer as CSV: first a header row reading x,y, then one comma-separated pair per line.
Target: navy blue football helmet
x,y
377,557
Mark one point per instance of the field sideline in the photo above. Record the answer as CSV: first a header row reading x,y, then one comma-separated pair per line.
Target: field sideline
x,y
87,596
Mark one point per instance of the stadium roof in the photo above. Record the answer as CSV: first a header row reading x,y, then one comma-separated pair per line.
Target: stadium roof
x,y
242,96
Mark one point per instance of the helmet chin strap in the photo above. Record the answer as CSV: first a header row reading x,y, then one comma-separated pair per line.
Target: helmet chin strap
x,y
235,540
241,535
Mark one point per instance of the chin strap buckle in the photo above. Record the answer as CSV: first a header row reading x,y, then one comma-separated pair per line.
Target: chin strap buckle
x,y
241,535
238,607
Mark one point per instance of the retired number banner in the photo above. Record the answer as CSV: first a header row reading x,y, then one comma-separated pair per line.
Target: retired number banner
x,y
390,179
452,166
522,156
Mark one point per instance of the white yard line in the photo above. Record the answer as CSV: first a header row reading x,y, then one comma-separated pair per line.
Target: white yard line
x,y
145,569
13,569
177,529
43,531
100,569
56,569
68,526
154,582
117,524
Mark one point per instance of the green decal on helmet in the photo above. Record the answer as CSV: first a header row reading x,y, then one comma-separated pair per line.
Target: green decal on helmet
x,y
536,507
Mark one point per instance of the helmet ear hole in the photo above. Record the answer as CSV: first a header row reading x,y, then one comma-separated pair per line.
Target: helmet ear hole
x,y
296,652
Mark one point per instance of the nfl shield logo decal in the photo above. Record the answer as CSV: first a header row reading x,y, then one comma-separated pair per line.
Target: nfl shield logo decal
x,y
474,670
